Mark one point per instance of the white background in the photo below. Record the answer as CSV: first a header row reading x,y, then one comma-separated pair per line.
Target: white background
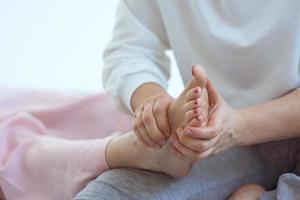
x,y
58,45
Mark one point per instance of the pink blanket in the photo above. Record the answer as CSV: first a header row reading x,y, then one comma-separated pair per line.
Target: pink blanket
x,y
52,144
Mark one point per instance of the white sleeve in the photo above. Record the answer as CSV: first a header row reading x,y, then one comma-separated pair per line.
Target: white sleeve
x,y
136,54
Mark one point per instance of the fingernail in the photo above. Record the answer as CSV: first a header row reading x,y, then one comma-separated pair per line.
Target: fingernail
x,y
187,132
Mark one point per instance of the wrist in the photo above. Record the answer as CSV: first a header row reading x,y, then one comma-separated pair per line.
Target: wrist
x,y
144,92
240,127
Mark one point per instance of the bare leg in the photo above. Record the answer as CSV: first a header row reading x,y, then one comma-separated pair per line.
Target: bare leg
x,y
127,151
248,192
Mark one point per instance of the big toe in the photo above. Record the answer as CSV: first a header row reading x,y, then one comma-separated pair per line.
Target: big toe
x,y
200,75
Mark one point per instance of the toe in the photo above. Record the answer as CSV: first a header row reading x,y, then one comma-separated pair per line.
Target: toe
x,y
200,75
193,93
192,114
192,104
195,123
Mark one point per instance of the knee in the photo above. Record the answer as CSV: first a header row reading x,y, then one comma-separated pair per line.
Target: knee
x,y
247,191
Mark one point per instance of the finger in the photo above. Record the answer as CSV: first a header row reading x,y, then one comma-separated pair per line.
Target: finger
x,y
177,153
216,118
193,93
143,132
207,132
211,129
139,136
182,149
160,110
135,125
195,123
139,109
212,93
193,144
193,114
151,125
205,154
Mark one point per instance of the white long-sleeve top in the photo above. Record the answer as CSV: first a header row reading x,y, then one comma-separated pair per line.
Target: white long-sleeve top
x,y
250,48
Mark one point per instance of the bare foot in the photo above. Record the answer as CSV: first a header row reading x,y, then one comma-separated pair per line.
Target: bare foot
x,y
248,192
127,151
191,107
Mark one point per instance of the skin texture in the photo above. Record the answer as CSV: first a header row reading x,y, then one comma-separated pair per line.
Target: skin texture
x,y
129,151
153,123
150,103
200,142
228,127
247,192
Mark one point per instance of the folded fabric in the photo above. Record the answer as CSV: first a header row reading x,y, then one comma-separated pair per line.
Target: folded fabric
x,y
53,144
288,187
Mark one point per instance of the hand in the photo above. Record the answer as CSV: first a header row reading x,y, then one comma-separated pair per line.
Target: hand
x,y
222,130
151,120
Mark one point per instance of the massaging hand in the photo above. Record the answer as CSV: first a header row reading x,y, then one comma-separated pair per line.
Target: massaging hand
x,y
151,122
220,133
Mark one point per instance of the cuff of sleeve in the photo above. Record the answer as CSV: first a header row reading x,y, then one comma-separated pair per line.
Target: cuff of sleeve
x,y
131,82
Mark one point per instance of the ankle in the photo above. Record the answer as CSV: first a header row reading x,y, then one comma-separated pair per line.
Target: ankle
x,y
122,151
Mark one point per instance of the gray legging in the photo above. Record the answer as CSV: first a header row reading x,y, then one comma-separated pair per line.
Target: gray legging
x,y
214,178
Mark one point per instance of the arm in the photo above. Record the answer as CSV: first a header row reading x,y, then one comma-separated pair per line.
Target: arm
x,y
136,69
227,127
136,54
144,92
275,120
